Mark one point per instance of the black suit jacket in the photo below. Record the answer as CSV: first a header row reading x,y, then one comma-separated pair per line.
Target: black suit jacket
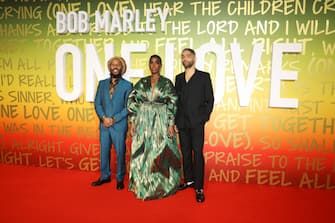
x,y
195,99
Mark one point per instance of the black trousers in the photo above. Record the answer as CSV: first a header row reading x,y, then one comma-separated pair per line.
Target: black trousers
x,y
192,143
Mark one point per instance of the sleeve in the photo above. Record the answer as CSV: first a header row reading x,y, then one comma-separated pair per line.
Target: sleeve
x,y
209,96
170,98
98,105
124,112
177,87
135,98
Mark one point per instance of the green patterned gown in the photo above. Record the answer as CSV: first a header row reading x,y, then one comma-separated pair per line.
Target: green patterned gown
x,y
155,159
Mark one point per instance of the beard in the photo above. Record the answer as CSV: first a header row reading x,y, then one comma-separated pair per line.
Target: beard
x,y
116,73
188,64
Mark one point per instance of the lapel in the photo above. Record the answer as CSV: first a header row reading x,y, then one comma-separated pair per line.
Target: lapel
x,y
117,90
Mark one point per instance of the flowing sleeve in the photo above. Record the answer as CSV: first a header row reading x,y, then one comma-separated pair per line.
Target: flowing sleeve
x,y
135,99
170,98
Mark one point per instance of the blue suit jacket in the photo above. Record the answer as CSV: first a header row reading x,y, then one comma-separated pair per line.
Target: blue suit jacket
x,y
113,107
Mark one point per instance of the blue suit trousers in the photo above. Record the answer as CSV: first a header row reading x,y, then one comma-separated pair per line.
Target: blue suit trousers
x,y
109,137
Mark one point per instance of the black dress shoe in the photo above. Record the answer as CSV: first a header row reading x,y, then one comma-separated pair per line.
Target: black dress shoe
x,y
199,196
101,182
119,185
186,185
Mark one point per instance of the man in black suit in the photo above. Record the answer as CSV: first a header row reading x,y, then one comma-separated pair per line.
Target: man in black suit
x,y
195,104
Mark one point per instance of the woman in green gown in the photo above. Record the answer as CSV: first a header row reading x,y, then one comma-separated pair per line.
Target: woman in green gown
x,y
155,159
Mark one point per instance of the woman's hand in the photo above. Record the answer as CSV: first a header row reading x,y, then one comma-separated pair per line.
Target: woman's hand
x,y
132,129
175,128
171,131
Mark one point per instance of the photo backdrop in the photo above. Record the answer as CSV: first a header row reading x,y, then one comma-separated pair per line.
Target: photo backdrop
x,y
271,62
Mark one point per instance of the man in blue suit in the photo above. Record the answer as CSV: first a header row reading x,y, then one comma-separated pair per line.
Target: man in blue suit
x,y
110,105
